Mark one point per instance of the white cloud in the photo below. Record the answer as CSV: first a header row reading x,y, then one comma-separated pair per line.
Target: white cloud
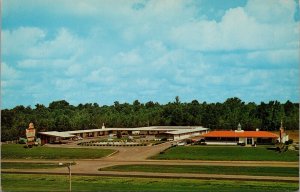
x,y
16,42
269,11
198,35
102,76
127,58
38,64
8,72
29,63
32,42
155,46
68,84
75,70
236,31
64,44
282,58
10,78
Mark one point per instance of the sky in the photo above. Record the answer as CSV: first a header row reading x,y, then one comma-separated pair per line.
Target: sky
x,y
101,51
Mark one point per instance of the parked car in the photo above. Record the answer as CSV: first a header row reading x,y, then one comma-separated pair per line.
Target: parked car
x,y
181,144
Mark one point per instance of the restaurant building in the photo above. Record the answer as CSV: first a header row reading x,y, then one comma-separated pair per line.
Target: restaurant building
x,y
240,137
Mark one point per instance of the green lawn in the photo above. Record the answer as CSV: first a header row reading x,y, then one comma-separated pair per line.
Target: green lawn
x,y
226,153
17,165
17,151
32,183
227,170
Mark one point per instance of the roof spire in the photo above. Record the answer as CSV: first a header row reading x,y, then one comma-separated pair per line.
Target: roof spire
x,y
281,132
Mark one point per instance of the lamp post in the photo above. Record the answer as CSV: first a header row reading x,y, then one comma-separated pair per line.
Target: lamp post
x,y
70,176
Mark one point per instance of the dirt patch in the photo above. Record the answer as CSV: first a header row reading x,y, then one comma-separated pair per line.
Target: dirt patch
x,y
293,134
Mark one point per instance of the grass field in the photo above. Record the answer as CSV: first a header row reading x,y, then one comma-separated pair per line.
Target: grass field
x,y
227,170
16,151
226,153
32,183
23,165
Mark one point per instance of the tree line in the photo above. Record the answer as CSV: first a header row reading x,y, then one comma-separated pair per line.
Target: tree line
x,y
61,116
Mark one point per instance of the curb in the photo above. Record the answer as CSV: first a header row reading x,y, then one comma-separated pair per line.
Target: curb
x,y
113,153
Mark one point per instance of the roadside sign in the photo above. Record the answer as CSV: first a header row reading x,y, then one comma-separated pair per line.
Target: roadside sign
x,y
30,134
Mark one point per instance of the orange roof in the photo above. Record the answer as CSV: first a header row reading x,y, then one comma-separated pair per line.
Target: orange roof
x,y
256,134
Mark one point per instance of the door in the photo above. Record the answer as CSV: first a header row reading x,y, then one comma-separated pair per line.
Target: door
x,y
249,141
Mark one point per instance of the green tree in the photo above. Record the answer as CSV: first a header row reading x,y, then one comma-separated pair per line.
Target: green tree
x,y
62,104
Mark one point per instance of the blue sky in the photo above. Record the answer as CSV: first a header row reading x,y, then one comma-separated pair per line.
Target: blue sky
x,y
151,50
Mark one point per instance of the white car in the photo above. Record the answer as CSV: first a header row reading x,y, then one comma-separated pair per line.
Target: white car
x,y
181,144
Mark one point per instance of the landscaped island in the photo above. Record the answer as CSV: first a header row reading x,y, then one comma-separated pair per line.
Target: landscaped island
x,y
207,169
226,153
15,151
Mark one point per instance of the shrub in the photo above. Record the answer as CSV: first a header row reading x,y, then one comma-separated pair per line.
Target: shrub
x,y
22,141
290,141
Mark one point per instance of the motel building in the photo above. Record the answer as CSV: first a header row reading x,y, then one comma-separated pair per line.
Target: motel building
x,y
239,136
171,133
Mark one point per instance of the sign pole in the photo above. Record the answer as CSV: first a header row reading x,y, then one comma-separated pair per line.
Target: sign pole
x,y
70,177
